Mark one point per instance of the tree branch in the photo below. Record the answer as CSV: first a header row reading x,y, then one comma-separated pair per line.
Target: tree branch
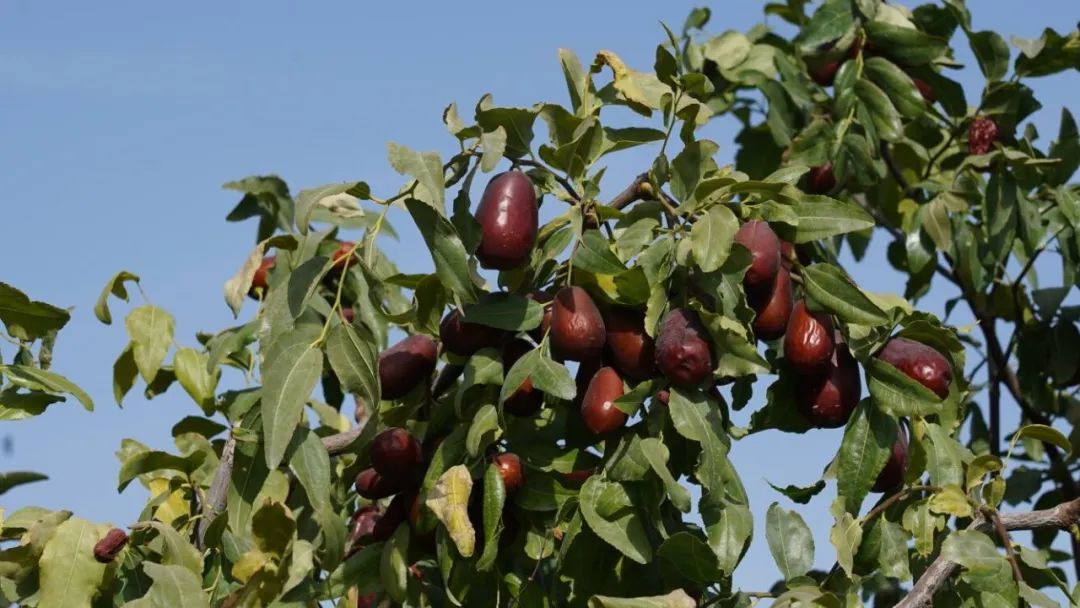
x,y
1003,534
219,490
339,443
1063,516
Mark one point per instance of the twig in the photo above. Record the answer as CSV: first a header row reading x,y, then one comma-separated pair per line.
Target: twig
x,y
339,443
995,409
633,192
895,498
894,170
1003,534
219,490
1063,516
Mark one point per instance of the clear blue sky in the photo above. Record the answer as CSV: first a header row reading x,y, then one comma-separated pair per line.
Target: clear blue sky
x,y
119,122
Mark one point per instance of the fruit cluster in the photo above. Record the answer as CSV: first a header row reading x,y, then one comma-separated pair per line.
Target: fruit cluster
x,y
612,348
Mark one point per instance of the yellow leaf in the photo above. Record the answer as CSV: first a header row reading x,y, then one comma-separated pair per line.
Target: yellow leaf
x,y
249,564
951,500
448,499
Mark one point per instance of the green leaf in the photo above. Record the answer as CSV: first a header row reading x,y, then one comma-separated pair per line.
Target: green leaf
x,y
190,367
42,380
944,456
896,394
868,440
425,168
893,556
494,145
483,430
1045,434
447,251
177,550
116,287
830,21
69,576
883,113
547,376
820,217
675,599
238,286
992,53
290,370
697,420
353,353
332,202
972,550
897,85
845,536
20,406
12,479
26,319
310,463
448,499
689,167
711,237
494,501
685,556
151,332
1051,54
907,46
656,453
174,586
730,527
517,122
924,525
303,281
790,541
505,311
799,494
829,286
149,461
594,255
612,515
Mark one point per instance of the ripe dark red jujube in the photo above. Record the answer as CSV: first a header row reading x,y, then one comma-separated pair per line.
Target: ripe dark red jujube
x,y
683,349
827,400
509,220
919,362
629,348
397,455
764,247
373,486
464,339
598,408
509,466
405,365
892,475
773,308
577,328
808,340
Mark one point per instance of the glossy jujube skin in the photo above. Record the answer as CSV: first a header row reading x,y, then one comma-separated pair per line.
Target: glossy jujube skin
x,y
808,340
764,248
397,512
373,486
526,400
683,350
827,400
919,362
465,339
509,466
773,308
508,219
362,525
577,328
892,476
629,348
405,365
821,179
598,408
397,455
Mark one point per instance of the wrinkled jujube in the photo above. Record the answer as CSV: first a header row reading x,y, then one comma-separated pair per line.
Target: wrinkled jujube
x,y
919,362
683,349
808,340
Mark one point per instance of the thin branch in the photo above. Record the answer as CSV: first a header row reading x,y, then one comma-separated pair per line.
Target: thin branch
x,y
1003,534
633,192
215,501
1062,517
340,443
995,409
895,498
